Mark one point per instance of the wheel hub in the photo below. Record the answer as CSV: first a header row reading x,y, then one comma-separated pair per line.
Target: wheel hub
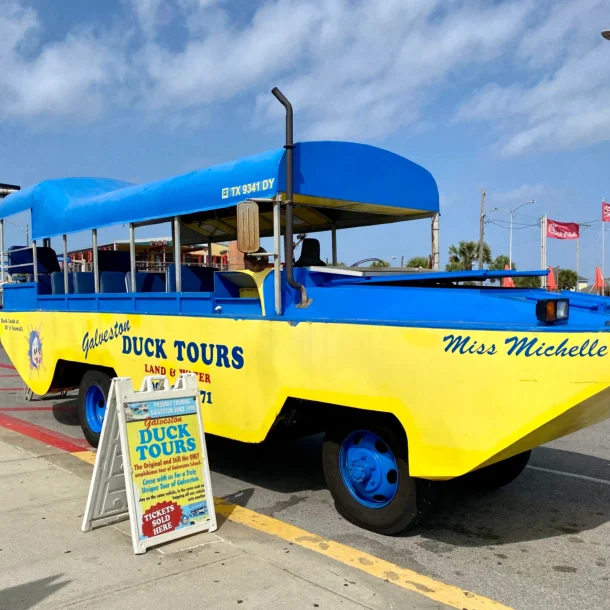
x,y
368,469
360,471
95,407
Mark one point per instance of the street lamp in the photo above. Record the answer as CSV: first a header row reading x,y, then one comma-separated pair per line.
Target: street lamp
x,y
606,34
510,239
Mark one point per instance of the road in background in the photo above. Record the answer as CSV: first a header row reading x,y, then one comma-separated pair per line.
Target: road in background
x,y
541,543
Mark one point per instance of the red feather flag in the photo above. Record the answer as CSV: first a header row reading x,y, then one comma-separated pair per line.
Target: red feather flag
x,y
551,284
507,282
562,230
599,280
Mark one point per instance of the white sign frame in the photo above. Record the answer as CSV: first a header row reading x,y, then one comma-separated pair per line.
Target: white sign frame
x,y
154,388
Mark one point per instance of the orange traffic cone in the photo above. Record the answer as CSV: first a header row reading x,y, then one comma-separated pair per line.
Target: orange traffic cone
x,y
551,284
507,282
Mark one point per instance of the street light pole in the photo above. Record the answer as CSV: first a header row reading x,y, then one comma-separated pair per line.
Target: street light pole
x,y
510,236
606,34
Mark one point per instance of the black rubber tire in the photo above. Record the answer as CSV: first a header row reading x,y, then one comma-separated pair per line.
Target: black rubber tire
x,y
412,498
497,475
100,379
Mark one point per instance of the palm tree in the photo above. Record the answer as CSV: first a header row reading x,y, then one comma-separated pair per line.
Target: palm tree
x,y
500,263
418,262
463,256
379,263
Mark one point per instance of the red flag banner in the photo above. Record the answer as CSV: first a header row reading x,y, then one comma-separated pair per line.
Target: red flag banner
x,y
551,284
562,230
605,212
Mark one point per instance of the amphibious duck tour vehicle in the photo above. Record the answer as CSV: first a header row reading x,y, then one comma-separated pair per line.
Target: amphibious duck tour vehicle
x,y
413,376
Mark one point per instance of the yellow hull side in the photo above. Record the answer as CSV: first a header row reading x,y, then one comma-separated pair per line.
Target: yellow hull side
x,y
460,408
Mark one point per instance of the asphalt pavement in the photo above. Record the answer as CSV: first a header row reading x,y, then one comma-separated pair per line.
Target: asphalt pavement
x,y
541,543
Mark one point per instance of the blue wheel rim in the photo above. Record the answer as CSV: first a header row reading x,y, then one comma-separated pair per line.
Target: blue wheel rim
x,y
95,408
368,469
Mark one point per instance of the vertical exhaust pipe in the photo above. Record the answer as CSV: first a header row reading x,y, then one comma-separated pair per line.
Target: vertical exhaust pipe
x,y
288,233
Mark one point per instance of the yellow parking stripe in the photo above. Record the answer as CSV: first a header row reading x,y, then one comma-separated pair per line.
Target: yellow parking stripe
x,y
86,456
407,579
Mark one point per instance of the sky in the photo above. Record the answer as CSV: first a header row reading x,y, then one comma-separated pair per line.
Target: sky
x,y
508,95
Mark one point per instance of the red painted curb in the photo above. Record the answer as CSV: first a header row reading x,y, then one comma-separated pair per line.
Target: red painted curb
x,y
6,366
44,435
67,408
11,375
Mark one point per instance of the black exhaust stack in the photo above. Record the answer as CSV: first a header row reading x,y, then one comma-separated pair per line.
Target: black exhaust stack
x,y
7,189
288,234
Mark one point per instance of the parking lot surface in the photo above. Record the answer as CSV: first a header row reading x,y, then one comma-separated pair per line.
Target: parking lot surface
x,y
541,543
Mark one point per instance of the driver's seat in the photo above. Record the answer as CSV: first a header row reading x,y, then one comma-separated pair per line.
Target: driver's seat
x,y
310,254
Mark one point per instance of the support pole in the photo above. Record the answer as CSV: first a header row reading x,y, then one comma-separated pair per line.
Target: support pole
x,y
66,278
132,256
481,228
177,254
35,259
435,242
96,269
334,244
173,237
1,251
210,261
577,260
277,261
604,256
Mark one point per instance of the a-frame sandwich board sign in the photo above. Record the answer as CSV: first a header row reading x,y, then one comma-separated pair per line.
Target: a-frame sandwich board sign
x,y
152,464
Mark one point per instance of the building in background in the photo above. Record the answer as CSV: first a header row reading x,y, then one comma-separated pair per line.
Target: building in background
x,y
156,254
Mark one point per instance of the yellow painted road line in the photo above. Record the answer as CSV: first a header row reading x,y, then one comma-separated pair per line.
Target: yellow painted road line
x,y
407,579
86,456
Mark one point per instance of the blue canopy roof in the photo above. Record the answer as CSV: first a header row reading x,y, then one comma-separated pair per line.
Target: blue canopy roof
x,y
353,177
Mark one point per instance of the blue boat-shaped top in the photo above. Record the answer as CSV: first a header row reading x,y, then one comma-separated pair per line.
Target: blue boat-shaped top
x,y
362,180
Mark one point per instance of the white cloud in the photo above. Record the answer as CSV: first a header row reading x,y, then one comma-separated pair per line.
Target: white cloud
x,y
564,103
63,78
352,68
371,71
518,196
350,65
147,15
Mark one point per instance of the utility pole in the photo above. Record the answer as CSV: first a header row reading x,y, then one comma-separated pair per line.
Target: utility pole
x,y
582,228
482,228
577,261
603,253
510,242
543,249
27,235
